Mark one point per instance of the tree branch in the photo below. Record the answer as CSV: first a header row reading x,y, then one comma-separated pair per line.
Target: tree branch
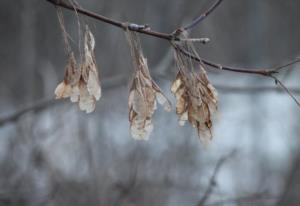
x,y
277,81
202,16
169,37
131,26
253,89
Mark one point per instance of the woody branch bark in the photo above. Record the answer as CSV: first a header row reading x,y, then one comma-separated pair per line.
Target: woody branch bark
x,y
165,36
202,16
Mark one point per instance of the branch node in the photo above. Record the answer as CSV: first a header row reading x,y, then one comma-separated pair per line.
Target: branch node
x,y
175,34
201,40
136,27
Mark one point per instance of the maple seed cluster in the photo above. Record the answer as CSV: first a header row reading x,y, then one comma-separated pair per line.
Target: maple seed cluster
x,y
196,98
81,83
144,93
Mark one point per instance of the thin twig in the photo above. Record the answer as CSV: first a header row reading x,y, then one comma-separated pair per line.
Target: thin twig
x,y
253,89
212,181
263,72
286,65
277,81
202,16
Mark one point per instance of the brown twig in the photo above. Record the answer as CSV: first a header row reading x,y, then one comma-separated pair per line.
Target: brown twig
x,y
263,72
133,27
286,65
170,37
253,89
278,82
202,16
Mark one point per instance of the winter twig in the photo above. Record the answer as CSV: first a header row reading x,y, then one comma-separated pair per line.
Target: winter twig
x,y
202,16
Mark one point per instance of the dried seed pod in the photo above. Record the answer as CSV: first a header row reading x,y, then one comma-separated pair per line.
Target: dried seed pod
x,y
144,93
87,102
82,85
68,87
89,68
196,104
196,98
89,85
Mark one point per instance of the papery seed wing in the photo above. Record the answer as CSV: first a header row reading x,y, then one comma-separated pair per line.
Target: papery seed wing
x,y
176,84
87,102
75,93
183,118
72,73
93,85
163,101
161,98
63,90
89,40
141,129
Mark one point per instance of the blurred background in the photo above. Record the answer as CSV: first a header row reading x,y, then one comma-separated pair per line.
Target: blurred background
x,y
53,154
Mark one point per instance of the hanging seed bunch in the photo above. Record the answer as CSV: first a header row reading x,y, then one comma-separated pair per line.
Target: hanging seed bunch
x,y
144,92
81,82
89,84
196,98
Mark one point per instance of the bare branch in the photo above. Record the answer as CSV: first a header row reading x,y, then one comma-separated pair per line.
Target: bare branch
x,y
286,65
144,29
277,81
212,181
253,89
133,27
202,16
263,72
